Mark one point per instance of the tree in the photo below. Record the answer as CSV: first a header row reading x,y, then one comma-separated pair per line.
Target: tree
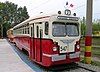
x,y
95,27
83,26
12,15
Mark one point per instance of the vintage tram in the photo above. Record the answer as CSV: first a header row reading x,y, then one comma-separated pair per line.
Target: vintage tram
x,y
50,39
10,35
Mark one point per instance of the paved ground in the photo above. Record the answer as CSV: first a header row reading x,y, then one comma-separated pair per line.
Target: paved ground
x,y
10,61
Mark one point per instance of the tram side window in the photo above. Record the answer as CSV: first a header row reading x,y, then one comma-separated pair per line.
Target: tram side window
x,y
37,31
11,31
31,32
46,28
25,30
28,30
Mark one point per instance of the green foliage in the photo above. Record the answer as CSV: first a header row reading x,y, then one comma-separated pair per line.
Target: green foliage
x,y
11,15
83,29
94,63
95,27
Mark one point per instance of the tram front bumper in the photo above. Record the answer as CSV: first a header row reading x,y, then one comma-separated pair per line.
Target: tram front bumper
x,y
57,59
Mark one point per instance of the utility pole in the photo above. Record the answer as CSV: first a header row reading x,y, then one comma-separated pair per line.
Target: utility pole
x,y
84,25
88,37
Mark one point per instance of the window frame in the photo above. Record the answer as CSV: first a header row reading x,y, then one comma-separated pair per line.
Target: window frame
x,y
46,31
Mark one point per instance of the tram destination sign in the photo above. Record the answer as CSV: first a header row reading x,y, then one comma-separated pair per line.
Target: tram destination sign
x,y
68,18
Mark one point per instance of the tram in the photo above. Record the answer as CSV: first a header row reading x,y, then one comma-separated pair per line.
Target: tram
x,y
10,35
50,39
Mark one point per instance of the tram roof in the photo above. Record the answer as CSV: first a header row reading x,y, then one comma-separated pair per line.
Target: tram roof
x,y
38,17
30,19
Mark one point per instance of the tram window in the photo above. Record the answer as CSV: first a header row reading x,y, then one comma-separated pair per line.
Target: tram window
x,y
58,29
72,29
22,31
19,31
31,32
33,29
46,28
25,30
28,30
41,33
11,31
37,31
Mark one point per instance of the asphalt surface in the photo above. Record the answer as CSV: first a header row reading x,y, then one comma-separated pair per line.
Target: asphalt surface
x,y
9,59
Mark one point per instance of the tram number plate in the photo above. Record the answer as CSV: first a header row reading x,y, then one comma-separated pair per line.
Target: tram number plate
x,y
63,49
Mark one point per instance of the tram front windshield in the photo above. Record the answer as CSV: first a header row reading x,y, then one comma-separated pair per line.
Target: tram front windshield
x,y
61,29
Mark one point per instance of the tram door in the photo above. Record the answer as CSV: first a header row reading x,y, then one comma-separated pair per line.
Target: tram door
x,y
38,42
32,47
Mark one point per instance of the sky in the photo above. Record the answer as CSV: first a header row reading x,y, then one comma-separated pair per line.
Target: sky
x,y
34,7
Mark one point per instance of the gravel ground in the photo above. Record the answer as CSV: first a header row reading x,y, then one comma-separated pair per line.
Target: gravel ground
x,y
74,67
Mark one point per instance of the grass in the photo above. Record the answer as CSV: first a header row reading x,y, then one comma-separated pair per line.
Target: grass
x,y
95,50
94,63
96,41
95,53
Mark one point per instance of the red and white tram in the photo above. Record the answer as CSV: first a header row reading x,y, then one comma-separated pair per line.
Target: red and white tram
x,y
10,35
51,39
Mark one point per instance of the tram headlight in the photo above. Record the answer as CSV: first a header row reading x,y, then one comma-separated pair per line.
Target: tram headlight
x,y
54,48
77,46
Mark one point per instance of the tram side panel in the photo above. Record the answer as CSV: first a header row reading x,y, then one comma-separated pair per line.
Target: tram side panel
x,y
10,35
37,48
23,42
40,51
47,45
45,56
